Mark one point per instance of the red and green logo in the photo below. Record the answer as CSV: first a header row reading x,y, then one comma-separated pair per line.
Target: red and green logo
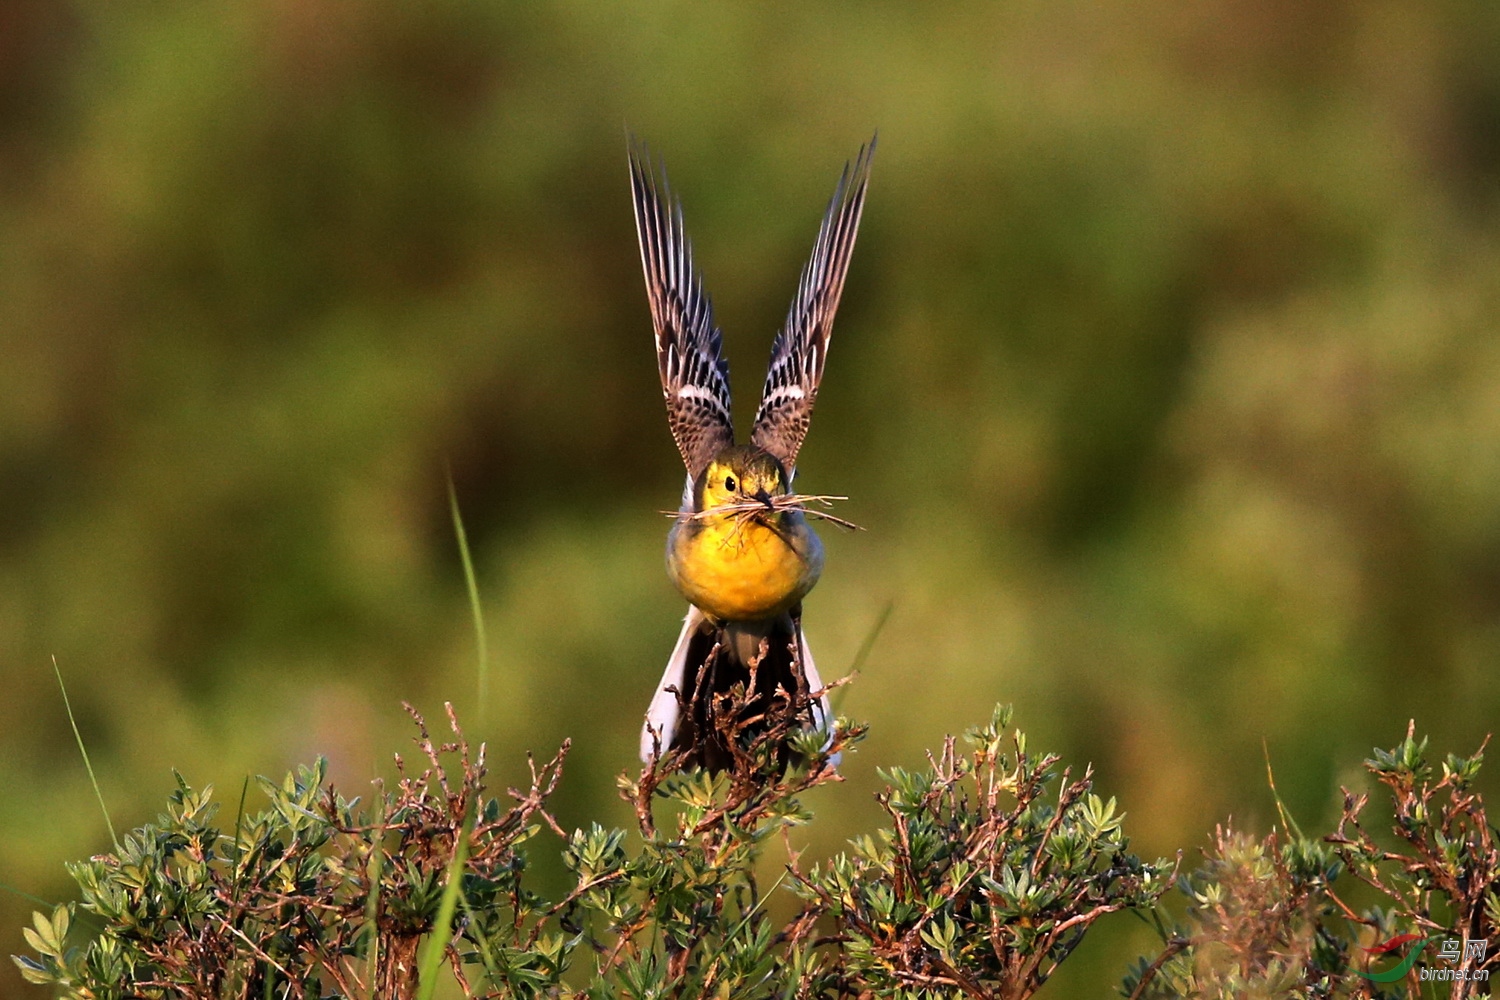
x,y
1401,968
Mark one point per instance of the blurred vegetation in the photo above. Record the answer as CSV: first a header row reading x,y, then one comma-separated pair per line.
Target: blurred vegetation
x,y
1166,381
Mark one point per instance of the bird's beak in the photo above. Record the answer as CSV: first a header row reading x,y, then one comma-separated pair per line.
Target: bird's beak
x,y
765,498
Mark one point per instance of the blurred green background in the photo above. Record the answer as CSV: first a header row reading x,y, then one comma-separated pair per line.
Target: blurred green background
x,y
1166,381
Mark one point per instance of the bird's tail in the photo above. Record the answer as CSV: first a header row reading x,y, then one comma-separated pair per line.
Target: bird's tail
x,y
772,662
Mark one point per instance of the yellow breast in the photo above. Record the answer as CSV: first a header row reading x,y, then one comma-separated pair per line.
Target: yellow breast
x,y
738,570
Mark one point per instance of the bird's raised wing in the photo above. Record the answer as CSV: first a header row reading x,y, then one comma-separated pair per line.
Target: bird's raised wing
x,y
801,348
694,374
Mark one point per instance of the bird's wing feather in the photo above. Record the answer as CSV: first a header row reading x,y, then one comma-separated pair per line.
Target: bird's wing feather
x,y
694,374
801,348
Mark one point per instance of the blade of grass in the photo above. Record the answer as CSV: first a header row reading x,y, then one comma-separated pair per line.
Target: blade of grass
x,y
27,896
372,907
472,584
485,954
837,699
239,831
87,766
1287,823
436,945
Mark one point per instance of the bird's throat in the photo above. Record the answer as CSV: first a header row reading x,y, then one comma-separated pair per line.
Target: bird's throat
x,y
744,569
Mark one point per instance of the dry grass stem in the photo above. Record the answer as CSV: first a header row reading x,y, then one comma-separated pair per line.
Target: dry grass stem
x,y
750,509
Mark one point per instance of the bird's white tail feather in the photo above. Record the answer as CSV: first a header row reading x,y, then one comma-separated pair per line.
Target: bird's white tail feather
x,y
822,710
661,716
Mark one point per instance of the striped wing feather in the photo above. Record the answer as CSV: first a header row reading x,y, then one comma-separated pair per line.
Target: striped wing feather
x,y
694,374
801,348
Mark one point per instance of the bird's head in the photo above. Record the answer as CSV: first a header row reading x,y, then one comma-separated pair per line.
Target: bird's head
x,y
740,474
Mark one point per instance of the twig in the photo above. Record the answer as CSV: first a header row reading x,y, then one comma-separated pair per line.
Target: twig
x,y
1167,954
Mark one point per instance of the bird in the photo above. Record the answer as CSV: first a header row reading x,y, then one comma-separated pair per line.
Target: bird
x,y
740,549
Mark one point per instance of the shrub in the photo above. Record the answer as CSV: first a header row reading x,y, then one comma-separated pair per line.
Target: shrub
x,y
992,869
993,866
1274,917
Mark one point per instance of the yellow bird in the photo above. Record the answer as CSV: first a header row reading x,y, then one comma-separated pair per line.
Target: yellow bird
x,y
744,570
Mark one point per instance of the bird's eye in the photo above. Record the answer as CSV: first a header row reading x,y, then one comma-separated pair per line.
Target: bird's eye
x,y
729,483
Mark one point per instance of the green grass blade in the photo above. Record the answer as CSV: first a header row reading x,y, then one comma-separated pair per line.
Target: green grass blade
x,y
27,896
863,653
372,907
87,766
239,831
486,955
1287,823
436,944
472,583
